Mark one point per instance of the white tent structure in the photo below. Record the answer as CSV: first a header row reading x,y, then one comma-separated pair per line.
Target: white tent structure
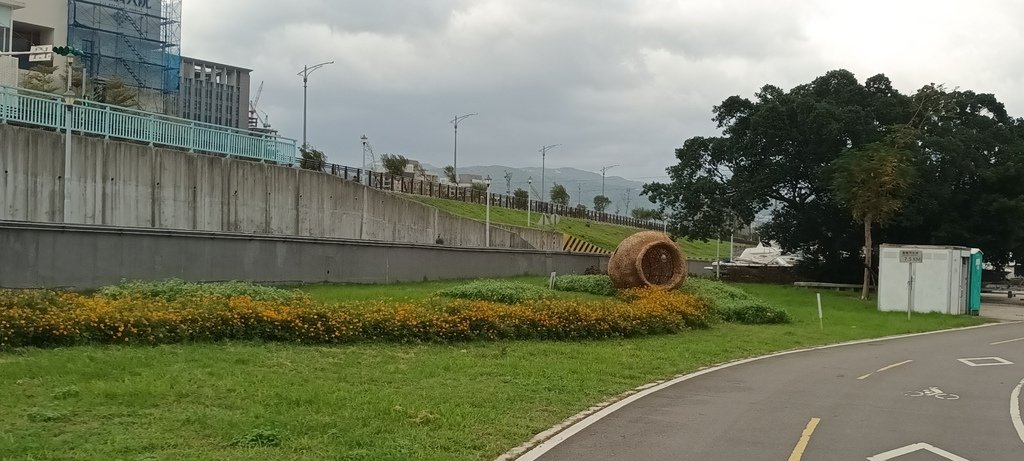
x,y
762,255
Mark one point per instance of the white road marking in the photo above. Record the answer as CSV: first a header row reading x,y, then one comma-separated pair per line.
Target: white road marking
x,y
932,392
545,441
886,368
1007,341
893,454
994,361
1018,424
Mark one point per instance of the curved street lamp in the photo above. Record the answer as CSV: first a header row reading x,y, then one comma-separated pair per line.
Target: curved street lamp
x,y
455,161
543,155
603,171
304,73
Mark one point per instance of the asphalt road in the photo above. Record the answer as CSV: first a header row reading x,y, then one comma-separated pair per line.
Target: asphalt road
x,y
907,399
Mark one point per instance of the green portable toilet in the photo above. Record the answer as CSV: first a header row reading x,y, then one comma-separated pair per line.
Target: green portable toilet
x,y
974,282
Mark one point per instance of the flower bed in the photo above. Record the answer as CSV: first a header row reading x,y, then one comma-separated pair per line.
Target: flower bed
x,y
44,318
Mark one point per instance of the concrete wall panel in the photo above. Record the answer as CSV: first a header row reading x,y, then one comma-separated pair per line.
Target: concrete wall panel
x,y
31,187
87,256
134,185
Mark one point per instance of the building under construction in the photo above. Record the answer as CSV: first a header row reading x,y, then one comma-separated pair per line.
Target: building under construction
x,y
137,41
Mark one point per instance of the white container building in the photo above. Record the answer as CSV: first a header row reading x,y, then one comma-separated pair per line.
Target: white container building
x,y
945,279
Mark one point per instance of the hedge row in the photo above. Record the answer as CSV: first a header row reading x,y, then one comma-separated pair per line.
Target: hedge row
x,y
45,319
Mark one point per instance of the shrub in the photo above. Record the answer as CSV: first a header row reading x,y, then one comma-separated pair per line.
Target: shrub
x,y
732,304
173,289
594,284
499,291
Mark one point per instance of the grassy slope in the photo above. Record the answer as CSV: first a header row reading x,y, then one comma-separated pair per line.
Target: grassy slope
x,y
604,235
368,401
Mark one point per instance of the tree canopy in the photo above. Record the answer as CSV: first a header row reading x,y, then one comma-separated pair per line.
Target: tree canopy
x,y
559,195
776,152
449,172
601,202
312,158
645,213
394,164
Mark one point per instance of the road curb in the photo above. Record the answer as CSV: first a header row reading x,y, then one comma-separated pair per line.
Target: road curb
x,y
545,441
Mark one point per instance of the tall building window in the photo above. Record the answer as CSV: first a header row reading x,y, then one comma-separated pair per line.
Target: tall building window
x,y
5,39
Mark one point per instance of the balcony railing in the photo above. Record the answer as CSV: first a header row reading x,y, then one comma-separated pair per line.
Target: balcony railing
x,y
47,110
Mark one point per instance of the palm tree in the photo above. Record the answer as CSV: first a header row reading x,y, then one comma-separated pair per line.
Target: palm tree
x,y
874,181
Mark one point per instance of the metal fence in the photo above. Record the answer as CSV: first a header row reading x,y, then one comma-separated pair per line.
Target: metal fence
x,y
404,184
47,110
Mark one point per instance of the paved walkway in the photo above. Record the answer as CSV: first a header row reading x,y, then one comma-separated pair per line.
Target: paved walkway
x,y
1000,307
952,395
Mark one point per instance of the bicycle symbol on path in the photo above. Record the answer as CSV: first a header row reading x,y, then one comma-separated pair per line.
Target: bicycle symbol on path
x,y
932,392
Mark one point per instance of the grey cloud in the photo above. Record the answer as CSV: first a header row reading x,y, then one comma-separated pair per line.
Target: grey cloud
x,y
616,81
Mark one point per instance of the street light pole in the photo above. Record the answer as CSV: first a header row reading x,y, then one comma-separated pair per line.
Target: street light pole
x,y
69,107
487,237
306,70
455,154
529,199
543,157
603,171
363,173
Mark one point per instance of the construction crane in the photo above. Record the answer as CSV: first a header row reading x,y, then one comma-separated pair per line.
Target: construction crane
x,y
255,119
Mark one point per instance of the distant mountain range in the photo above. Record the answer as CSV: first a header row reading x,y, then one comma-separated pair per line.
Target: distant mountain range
x,y
582,186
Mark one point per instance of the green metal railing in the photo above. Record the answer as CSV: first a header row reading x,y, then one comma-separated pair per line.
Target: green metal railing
x,y
92,118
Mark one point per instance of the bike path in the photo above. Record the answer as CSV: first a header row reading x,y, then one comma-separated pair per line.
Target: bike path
x,y
928,403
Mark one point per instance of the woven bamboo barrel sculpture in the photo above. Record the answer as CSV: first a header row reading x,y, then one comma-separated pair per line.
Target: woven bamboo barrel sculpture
x,y
647,259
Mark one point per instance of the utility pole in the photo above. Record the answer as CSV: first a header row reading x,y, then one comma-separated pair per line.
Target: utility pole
x,y
543,156
455,151
579,194
508,182
628,198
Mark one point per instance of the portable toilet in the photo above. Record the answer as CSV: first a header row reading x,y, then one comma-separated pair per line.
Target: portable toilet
x,y
974,282
946,279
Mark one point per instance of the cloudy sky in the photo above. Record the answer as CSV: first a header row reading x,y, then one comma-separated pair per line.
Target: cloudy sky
x,y
613,81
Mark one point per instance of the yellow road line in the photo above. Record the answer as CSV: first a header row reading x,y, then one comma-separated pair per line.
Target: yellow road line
x,y
805,438
885,368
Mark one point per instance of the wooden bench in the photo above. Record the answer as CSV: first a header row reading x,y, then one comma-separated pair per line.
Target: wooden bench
x,y
829,286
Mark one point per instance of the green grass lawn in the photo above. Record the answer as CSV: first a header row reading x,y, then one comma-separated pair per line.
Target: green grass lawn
x,y
369,401
604,235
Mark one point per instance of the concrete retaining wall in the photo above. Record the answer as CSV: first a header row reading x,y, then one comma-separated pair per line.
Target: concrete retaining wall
x,y
36,255
116,183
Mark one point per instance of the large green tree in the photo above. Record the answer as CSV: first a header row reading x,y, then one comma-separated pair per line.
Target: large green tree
x,y
601,202
775,153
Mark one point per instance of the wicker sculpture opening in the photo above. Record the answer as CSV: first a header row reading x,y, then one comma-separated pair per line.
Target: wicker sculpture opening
x,y
647,259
